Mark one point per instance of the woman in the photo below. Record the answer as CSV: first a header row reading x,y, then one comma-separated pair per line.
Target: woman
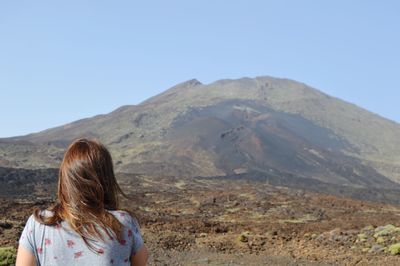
x,y
85,225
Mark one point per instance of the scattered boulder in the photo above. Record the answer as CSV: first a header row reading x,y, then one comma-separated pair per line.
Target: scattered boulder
x,y
6,224
376,249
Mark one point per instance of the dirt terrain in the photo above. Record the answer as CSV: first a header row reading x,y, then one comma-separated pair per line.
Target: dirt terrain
x,y
206,221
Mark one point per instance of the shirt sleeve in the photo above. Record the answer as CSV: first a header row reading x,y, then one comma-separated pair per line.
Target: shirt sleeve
x,y
136,235
26,240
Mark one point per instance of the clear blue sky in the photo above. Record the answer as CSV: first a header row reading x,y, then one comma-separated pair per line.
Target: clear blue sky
x,y
65,60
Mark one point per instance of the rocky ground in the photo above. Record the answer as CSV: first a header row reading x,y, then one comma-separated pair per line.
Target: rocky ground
x,y
206,221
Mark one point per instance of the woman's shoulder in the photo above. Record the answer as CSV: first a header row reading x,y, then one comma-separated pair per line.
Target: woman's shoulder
x,y
124,217
33,223
40,214
46,213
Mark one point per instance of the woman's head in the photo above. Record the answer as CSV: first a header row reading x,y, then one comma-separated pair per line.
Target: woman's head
x,y
86,178
87,188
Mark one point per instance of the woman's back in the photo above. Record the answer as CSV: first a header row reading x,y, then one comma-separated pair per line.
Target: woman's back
x,y
60,245
79,229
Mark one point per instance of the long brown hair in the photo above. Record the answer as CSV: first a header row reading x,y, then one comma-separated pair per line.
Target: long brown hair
x,y
87,188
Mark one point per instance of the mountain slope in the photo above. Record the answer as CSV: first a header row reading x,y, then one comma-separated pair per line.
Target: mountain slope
x,y
232,126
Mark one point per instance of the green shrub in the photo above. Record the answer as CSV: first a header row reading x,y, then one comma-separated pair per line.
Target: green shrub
x,y
7,256
394,249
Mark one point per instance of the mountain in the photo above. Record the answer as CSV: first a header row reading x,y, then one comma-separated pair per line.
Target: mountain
x,y
263,124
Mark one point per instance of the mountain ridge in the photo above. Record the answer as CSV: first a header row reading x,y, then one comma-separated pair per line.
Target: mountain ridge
x,y
154,136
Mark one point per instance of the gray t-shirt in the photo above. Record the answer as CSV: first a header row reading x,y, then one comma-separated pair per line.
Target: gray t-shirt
x,y
60,245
